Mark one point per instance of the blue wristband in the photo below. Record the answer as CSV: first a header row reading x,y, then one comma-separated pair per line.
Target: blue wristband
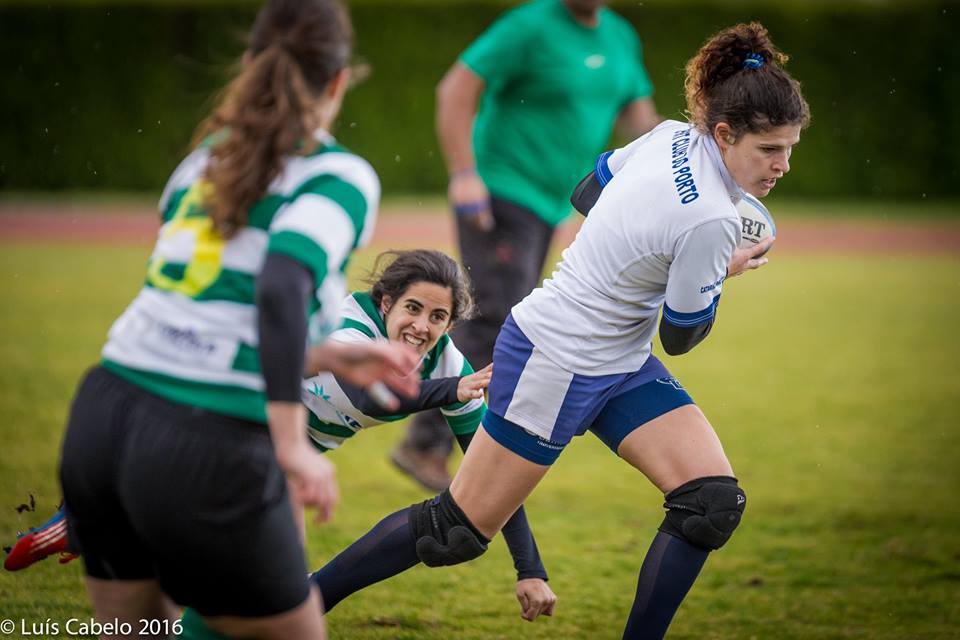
x,y
471,208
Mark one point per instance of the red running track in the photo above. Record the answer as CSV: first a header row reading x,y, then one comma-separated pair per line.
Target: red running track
x,y
404,228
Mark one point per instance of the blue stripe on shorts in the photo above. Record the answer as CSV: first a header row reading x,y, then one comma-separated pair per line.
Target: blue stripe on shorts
x,y
511,352
634,407
524,415
520,441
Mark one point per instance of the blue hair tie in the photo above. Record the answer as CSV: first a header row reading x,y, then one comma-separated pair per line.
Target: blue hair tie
x,y
753,61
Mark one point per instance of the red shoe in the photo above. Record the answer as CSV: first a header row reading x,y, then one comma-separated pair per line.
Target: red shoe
x,y
40,542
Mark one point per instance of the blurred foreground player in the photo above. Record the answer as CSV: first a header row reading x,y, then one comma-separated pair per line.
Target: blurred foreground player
x,y
181,444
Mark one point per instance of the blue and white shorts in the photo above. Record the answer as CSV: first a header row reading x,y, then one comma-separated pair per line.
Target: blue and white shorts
x,y
536,407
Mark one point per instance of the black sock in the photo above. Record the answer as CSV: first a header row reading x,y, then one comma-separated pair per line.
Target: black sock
x,y
666,576
384,551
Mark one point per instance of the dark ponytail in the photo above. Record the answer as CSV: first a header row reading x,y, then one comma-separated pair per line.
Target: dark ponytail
x,y
269,110
737,77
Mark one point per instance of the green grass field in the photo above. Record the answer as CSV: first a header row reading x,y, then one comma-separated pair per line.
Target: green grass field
x,y
834,383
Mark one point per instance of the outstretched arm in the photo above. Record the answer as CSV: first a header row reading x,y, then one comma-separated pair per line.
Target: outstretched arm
x,y
433,394
534,594
458,97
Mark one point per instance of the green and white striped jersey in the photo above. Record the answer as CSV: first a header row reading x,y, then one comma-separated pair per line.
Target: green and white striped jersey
x,y
191,334
333,418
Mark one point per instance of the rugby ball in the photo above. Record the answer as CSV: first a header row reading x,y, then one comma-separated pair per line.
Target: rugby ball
x,y
756,223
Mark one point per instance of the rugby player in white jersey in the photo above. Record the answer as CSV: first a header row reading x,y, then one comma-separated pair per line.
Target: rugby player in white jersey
x,y
662,232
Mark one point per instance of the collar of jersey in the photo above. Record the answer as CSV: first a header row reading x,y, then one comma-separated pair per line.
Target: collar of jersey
x,y
324,137
733,189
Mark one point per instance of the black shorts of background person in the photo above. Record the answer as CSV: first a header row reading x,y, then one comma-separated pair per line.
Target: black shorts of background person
x,y
504,265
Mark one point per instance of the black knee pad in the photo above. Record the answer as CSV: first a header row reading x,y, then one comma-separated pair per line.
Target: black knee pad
x,y
443,533
705,511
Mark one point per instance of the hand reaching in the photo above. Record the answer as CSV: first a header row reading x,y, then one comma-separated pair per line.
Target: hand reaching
x,y
473,385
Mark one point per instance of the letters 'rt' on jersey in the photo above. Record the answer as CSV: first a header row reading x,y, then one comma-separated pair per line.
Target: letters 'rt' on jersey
x,y
190,335
660,235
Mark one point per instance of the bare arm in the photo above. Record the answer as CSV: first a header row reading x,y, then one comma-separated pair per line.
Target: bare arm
x,y
458,97
637,118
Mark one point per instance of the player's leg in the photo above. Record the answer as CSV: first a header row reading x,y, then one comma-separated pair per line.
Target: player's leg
x,y
451,528
682,456
677,449
303,621
504,265
121,579
130,602
385,551
493,481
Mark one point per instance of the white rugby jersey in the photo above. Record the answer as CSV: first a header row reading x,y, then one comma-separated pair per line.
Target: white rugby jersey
x,y
661,234
191,334
333,418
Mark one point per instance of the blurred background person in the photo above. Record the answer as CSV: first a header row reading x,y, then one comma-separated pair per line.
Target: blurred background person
x,y
520,117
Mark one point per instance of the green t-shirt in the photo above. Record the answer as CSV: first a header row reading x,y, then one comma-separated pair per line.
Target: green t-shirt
x,y
553,91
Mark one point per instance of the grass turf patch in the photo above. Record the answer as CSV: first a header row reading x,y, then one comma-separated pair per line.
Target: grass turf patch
x,y
832,382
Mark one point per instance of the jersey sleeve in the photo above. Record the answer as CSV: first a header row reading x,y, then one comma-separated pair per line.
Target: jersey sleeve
x,y
326,220
462,417
609,163
500,51
697,273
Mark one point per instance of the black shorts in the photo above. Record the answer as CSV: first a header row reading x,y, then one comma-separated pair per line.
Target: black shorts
x,y
192,499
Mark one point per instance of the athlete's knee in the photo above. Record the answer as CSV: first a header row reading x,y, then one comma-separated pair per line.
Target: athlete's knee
x,y
705,511
443,533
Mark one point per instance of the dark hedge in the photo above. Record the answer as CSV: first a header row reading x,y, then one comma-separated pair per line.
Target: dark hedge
x,y
106,96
